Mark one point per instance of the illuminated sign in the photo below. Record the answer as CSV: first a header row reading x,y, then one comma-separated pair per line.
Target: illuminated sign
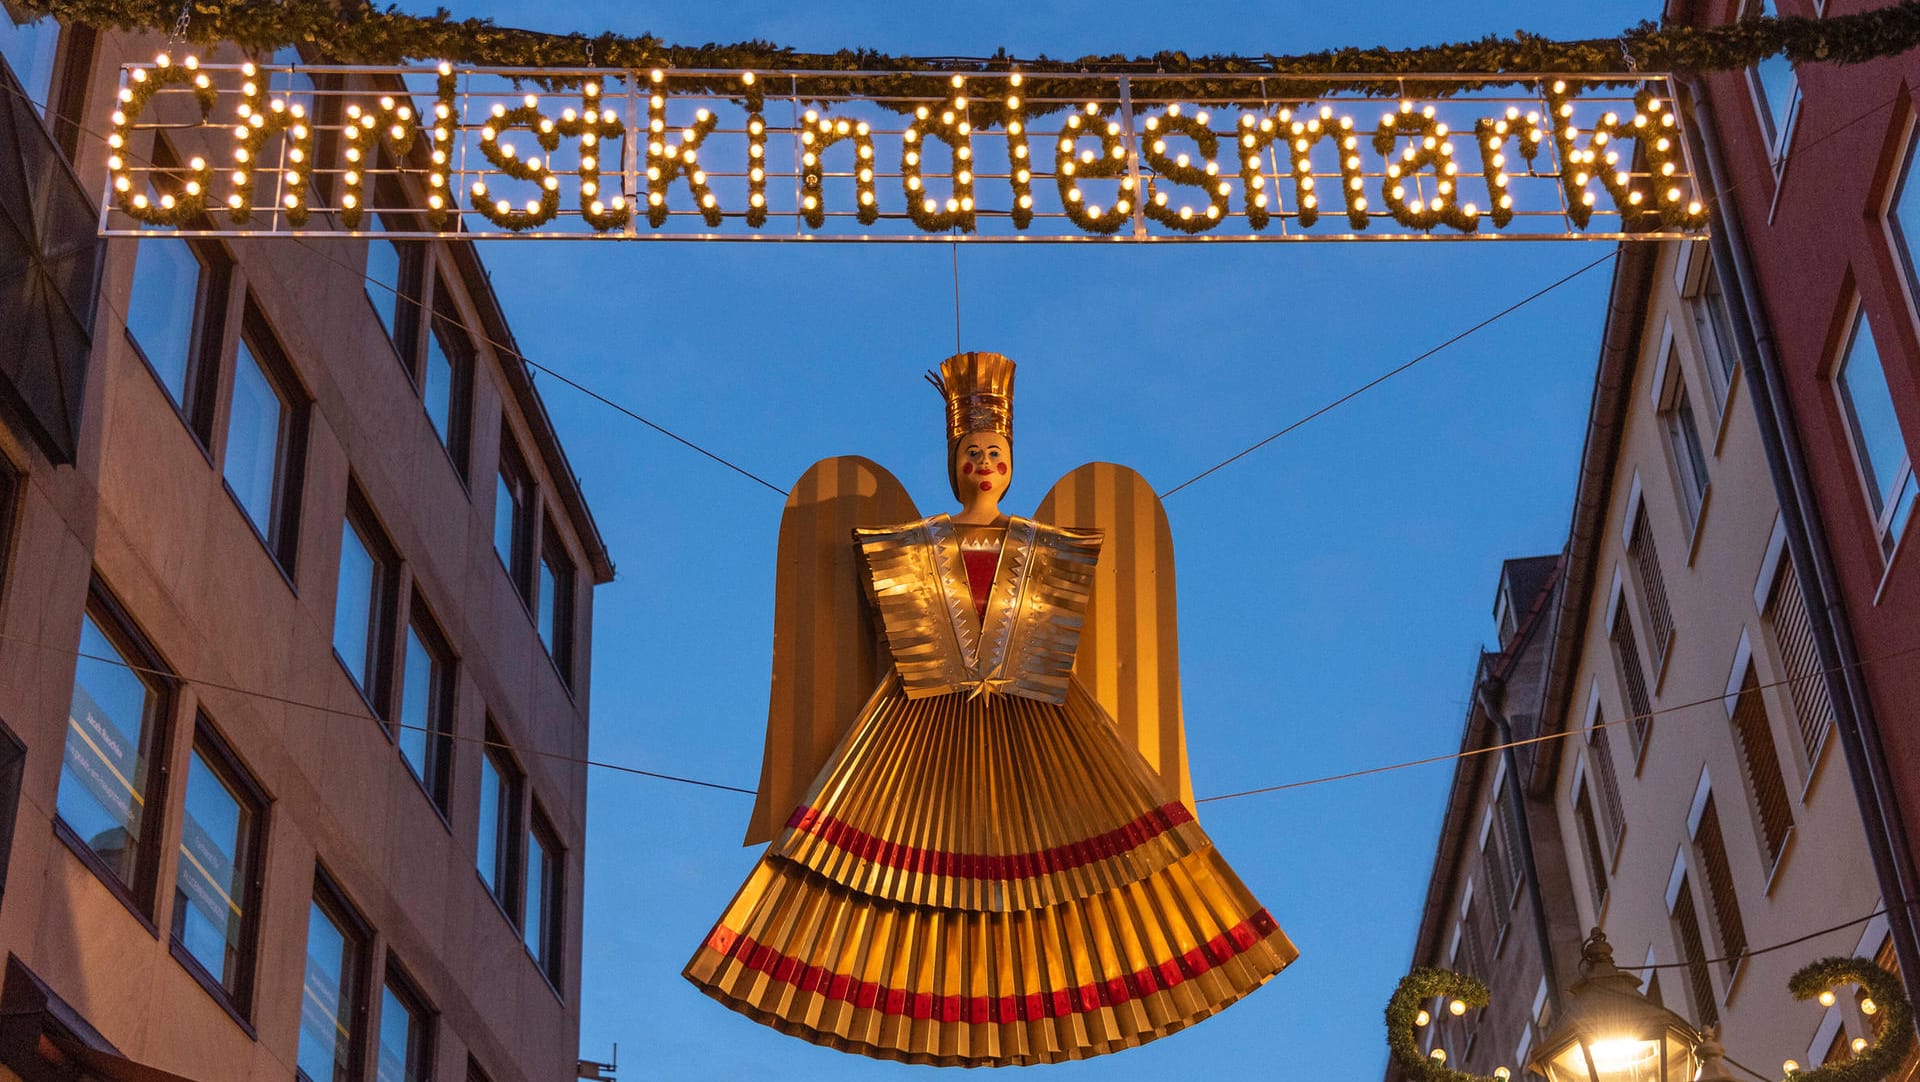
x,y
206,149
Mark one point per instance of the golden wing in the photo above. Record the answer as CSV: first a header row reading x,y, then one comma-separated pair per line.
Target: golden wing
x,y
826,655
1129,658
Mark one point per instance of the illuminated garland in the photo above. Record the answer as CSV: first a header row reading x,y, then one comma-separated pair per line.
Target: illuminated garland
x,y
667,162
756,102
170,208
392,123
1405,1014
953,128
1870,1063
820,133
1180,170
371,35
1072,165
1881,1058
260,119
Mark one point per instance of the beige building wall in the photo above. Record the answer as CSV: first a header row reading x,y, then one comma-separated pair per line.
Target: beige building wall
x,y
1729,811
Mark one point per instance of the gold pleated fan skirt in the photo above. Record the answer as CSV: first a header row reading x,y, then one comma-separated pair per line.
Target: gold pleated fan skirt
x,y
987,881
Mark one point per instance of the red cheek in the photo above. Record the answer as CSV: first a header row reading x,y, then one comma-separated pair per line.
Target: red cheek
x,y
1002,467
966,467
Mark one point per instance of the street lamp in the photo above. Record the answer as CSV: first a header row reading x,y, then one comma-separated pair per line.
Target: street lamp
x,y
1609,1032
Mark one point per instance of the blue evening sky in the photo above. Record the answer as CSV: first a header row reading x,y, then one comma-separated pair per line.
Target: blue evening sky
x,y
1333,587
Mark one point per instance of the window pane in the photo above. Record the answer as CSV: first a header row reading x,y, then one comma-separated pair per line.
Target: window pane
x,y
353,609
1876,430
327,1006
103,778
383,276
1683,434
507,516
550,601
417,721
253,440
437,386
402,1042
492,806
160,309
535,924
28,43
1776,79
1906,213
215,864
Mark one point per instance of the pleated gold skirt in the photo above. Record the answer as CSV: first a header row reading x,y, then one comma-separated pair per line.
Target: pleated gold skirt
x,y
987,881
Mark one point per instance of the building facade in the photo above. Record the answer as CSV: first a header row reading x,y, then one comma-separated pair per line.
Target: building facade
x,y
1812,168
1498,902
1701,790
294,635
1693,796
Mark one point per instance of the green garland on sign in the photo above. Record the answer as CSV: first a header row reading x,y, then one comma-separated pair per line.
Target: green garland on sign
x,y
1403,1017
1879,1059
383,36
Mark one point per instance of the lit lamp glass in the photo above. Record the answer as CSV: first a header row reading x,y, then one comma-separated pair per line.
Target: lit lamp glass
x,y
1609,1032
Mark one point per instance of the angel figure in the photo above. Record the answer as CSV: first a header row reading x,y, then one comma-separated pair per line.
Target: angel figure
x,y
984,850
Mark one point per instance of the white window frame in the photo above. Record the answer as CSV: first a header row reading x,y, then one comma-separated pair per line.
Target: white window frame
x,y
1670,386
1694,266
1901,474
1780,140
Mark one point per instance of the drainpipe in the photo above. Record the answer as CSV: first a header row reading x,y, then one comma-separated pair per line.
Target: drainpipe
x,y
1854,720
1488,690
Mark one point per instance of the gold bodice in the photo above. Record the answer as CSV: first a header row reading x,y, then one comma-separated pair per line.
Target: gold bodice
x,y
917,580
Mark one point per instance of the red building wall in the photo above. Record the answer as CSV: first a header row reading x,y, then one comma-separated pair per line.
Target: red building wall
x,y
1815,222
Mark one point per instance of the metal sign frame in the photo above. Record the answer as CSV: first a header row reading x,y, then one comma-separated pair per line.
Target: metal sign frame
x,y
1378,141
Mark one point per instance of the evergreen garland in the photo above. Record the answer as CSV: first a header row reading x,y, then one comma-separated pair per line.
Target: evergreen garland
x,y
1403,1017
1879,1059
369,35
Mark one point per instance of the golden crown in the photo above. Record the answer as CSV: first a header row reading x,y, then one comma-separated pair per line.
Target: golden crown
x,y
978,388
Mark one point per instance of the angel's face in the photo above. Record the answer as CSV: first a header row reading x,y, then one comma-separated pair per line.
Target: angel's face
x,y
982,465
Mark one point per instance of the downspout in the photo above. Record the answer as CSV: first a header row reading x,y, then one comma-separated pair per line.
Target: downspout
x,y
1487,691
1806,540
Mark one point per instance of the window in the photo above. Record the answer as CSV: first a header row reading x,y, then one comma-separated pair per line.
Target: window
x,y
10,488
1693,951
545,923
332,1019
1711,846
363,609
266,430
1653,585
499,831
115,733
426,704
1589,834
216,887
30,43
13,760
1684,450
1713,326
1776,90
556,604
513,518
406,1033
1904,213
394,271
1753,736
1786,615
174,310
1633,678
1493,866
1880,449
1600,759
446,379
